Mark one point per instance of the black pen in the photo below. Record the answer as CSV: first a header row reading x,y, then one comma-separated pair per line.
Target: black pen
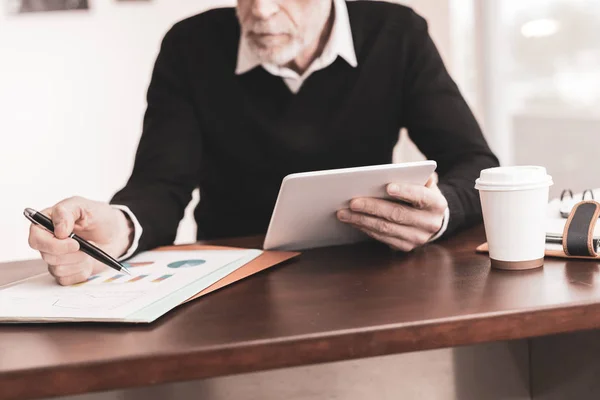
x,y
85,246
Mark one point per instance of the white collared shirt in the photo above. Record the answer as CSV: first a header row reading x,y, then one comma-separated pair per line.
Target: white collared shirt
x,y
340,43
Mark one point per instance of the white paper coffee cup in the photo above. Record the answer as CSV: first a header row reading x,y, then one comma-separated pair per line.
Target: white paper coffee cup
x,y
514,202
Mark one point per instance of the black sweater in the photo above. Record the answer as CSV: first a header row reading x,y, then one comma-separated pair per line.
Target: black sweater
x,y
236,136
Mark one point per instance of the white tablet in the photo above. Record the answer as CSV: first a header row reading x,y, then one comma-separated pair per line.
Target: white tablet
x,y
304,215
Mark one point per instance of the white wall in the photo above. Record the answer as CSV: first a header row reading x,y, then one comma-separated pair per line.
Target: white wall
x,y
72,98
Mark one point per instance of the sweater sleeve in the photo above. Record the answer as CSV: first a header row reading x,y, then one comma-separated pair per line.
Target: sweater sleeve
x,y
443,127
167,160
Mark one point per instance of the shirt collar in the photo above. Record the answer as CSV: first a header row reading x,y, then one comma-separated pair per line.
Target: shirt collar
x,y
340,43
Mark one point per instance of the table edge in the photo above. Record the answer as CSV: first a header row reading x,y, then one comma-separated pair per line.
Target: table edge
x,y
299,351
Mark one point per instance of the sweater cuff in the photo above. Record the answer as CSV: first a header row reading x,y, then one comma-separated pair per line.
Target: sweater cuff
x,y
137,231
456,215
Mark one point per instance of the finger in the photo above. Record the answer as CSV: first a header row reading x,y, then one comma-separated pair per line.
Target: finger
x,y
393,242
44,241
384,227
47,212
69,270
73,279
98,267
432,181
64,259
61,271
65,214
420,197
397,213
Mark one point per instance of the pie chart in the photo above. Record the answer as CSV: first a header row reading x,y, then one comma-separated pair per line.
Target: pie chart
x,y
185,263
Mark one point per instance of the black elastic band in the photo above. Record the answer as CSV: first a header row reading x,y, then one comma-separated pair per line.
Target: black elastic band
x,y
579,231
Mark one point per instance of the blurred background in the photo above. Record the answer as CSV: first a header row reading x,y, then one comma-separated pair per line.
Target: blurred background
x,y
74,74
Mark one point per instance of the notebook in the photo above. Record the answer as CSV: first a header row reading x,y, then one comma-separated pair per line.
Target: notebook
x,y
162,279
559,209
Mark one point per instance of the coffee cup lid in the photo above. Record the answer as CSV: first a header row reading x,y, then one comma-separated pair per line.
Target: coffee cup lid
x,y
520,177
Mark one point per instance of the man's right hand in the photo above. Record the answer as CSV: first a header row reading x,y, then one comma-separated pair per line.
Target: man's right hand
x,y
100,223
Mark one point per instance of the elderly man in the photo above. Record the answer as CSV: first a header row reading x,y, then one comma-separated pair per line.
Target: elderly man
x,y
241,97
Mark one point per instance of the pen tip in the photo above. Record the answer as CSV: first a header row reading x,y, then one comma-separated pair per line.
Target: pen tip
x,y
29,211
126,271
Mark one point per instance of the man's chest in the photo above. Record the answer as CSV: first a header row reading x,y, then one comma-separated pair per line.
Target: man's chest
x,y
339,117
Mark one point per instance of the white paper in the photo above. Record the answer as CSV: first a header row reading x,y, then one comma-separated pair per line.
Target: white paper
x,y
111,294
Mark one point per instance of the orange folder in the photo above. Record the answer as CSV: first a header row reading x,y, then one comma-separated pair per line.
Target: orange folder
x,y
266,260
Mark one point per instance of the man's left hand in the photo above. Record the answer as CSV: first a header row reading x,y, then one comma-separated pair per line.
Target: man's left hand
x,y
401,226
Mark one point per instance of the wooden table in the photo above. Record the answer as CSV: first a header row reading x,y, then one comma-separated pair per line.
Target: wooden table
x,y
329,304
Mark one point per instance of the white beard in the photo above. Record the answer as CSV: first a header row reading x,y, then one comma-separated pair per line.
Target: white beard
x,y
279,55
283,54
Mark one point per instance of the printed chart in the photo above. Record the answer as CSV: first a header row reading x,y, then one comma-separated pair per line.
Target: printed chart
x,y
130,265
161,280
122,278
185,263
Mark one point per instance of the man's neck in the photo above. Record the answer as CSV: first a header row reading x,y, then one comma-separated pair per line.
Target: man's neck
x,y
301,63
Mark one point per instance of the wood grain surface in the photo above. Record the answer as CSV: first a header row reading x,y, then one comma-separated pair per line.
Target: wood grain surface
x,y
328,304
